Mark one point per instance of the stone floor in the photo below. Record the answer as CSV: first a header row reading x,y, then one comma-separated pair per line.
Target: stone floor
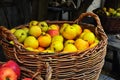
x,y
105,77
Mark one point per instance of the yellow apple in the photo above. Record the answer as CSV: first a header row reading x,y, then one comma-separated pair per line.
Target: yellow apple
x,y
69,42
35,31
95,43
54,27
56,46
70,48
48,51
78,29
84,31
29,48
33,23
26,29
31,41
12,30
69,32
81,44
57,38
63,26
89,37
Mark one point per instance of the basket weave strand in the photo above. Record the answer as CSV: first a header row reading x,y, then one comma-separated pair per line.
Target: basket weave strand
x,y
85,65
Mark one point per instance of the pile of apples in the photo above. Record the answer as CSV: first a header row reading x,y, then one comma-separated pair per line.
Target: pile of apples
x,y
10,70
55,38
112,12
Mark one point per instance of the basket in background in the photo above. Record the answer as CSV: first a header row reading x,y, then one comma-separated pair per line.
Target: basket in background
x,y
85,65
112,24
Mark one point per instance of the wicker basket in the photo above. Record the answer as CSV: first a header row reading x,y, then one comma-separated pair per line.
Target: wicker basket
x,y
111,24
85,65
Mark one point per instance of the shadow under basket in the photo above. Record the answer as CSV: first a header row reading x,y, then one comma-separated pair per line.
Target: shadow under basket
x,y
85,65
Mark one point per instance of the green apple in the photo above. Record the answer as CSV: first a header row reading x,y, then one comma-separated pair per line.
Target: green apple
x,y
111,10
57,46
11,42
44,26
26,29
57,38
118,10
107,13
118,14
12,30
114,12
20,34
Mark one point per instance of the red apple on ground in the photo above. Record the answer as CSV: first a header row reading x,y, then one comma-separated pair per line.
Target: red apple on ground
x,y
53,32
27,79
13,65
7,73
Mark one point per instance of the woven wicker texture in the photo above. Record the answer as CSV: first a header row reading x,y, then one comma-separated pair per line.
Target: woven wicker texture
x,y
85,65
111,24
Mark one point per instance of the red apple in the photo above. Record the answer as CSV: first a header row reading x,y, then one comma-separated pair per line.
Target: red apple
x,y
13,65
7,73
53,32
27,79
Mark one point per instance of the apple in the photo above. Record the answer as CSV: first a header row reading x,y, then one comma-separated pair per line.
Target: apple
x,y
12,30
54,27
44,40
57,46
89,37
118,14
31,41
69,32
33,23
7,73
44,26
53,32
35,31
58,38
27,79
78,29
20,35
63,27
26,29
14,66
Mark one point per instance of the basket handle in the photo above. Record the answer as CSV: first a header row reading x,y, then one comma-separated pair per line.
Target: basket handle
x,y
86,14
48,68
5,34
